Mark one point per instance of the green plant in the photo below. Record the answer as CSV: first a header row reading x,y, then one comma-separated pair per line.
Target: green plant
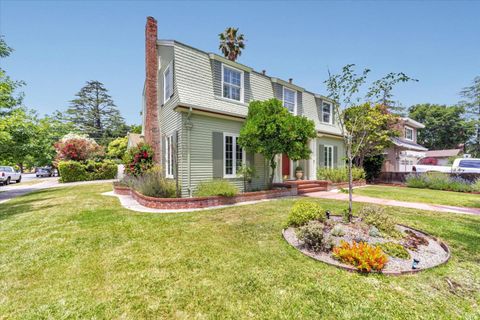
x,y
71,171
361,255
216,187
138,159
373,166
153,184
377,216
304,211
416,181
247,173
345,216
337,231
476,185
440,181
395,250
312,235
339,174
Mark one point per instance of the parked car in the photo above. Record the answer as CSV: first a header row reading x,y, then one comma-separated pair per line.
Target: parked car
x,y
464,165
44,172
9,174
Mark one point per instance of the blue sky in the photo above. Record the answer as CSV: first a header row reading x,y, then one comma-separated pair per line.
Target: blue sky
x,y
59,45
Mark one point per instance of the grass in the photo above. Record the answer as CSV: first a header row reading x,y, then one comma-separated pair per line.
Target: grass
x,y
448,198
73,253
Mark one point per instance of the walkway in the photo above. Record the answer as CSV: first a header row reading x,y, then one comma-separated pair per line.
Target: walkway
x,y
335,195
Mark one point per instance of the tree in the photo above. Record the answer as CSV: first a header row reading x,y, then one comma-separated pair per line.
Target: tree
x,y
231,44
95,114
116,148
77,148
270,129
472,104
446,127
9,99
135,128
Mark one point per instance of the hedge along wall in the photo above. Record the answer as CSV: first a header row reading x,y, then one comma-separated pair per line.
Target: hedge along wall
x,y
71,171
399,177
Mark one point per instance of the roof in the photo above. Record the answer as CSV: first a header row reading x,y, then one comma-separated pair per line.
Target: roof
x,y
443,153
413,123
407,144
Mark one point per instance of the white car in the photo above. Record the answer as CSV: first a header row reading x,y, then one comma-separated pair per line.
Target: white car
x,y
460,165
9,174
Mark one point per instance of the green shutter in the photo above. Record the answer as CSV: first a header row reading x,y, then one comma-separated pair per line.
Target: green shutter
x,y
335,156
217,154
321,156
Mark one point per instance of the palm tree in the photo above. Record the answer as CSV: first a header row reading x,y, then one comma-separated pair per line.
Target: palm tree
x,y
231,45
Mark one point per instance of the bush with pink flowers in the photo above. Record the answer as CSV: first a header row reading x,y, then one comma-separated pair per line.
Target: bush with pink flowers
x,y
138,160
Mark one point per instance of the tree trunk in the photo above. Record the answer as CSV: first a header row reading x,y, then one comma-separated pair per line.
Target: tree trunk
x,y
273,166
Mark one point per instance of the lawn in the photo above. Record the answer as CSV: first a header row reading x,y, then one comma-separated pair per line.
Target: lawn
x,y
448,198
73,253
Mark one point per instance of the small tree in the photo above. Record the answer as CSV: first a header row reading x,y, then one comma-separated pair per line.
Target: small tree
x,y
270,130
231,44
116,148
77,148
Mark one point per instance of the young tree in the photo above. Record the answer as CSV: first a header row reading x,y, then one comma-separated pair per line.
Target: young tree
x,y
270,130
8,98
446,127
231,44
94,113
472,94
117,148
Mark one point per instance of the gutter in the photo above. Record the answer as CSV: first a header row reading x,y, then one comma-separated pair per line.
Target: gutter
x,y
188,126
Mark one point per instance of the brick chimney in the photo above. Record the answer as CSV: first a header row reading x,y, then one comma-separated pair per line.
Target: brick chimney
x,y
152,126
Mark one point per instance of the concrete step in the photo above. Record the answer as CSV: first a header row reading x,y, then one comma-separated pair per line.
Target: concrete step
x,y
307,186
309,190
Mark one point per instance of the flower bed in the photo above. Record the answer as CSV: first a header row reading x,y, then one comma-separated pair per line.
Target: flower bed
x,y
283,190
338,185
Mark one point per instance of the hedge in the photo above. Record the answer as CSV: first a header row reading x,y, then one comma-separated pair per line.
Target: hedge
x,y
71,171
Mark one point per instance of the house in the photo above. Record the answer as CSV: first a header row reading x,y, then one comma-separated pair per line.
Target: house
x,y
194,104
440,157
405,152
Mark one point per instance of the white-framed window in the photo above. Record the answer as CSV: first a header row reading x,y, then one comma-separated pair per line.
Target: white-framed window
x,y
233,155
328,156
327,112
409,133
232,83
169,156
167,83
290,100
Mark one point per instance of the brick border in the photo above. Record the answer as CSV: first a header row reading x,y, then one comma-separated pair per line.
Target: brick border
x,y
337,185
205,202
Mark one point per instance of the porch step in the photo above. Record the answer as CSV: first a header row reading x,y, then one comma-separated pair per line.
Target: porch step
x,y
307,185
312,189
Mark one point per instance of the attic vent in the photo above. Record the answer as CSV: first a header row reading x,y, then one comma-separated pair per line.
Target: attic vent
x,y
264,72
290,80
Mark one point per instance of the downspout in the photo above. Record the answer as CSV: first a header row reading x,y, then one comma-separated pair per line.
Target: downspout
x,y
188,126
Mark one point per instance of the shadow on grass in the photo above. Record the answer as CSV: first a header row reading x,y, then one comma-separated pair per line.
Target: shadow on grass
x,y
27,203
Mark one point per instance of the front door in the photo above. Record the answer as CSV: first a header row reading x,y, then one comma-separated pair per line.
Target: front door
x,y
285,166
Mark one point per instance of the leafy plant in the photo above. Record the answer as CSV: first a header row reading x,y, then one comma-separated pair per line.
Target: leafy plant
x,y
247,173
337,231
78,148
339,174
216,187
71,171
139,159
440,181
395,250
153,184
376,216
312,235
361,255
117,148
304,211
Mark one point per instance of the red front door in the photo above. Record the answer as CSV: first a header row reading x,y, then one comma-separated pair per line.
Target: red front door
x,y
285,165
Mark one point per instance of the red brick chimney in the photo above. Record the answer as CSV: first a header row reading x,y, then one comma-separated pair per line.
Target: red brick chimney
x,y
152,126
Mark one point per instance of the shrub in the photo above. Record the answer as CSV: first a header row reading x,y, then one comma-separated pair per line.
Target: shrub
x,y
440,181
476,185
395,250
376,216
153,184
361,255
416,181
138,159
77,148
304,211
216,187
101,170
312,235
340,174
117,148
337,231
71,171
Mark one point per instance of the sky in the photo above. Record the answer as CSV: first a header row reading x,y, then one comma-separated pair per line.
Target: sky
x,y
59,45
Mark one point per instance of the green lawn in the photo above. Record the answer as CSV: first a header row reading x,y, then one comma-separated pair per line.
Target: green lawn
x,y
72,253
448,198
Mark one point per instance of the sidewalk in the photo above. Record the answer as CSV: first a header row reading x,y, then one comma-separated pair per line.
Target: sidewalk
x,y
335,195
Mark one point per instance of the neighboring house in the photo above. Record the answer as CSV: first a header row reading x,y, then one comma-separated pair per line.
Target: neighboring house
x,y
196,102
405,152
440,157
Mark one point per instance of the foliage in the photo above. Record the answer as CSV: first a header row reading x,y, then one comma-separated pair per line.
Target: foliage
x,y
361,255
153,184
377,216
312,237
472,105
440,181
71,171
337,231
247,173
117,148
446,127
270,130
216,187
135,128
304,211
231,44
373,166
476,185
394,250
95,114
374,232
77,148
9,99
138,159
339,174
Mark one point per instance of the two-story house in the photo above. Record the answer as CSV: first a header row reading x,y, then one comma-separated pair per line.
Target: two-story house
x,y
194,105
405,152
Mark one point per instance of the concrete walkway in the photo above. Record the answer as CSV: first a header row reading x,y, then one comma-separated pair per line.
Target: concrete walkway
x,y
336,195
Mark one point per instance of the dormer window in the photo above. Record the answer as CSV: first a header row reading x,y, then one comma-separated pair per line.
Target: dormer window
x,y
409,133
327,112
232,83
290,100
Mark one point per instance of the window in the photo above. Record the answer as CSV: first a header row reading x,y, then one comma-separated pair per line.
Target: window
x,y
167,83
328,156
327,112
290,100
409,133
233,155
475,164
169,156
232,83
